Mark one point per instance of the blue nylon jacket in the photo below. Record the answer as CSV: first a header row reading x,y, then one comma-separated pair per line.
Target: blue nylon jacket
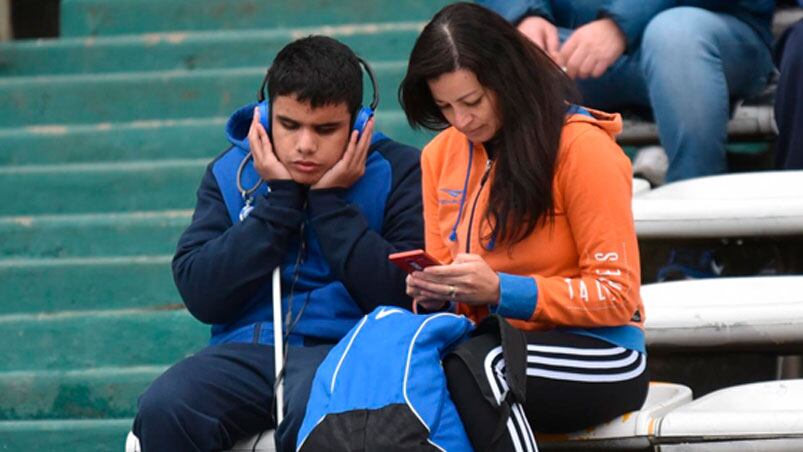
x,y
338,270
631,16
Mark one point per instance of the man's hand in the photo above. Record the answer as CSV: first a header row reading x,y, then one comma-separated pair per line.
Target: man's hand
x,y
265,162
469,279
592,48
543,34
351,166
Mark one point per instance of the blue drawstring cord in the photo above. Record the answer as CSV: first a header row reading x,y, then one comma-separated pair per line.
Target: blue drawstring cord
x,y
453,235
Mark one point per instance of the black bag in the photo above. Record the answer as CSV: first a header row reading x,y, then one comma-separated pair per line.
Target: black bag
x,y
473,353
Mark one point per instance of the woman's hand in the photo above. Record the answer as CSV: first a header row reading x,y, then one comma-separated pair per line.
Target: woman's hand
x,y
469,279
430,304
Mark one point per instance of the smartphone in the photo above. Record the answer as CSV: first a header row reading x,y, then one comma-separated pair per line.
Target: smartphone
x,y
413,261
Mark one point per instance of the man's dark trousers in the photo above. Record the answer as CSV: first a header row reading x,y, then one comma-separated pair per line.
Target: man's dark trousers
x,y
222,394
789,99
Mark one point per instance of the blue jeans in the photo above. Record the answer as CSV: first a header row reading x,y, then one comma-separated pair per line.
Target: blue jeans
x,y
223,394
690,64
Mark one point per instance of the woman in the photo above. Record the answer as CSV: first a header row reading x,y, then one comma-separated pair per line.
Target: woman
x,y
527,203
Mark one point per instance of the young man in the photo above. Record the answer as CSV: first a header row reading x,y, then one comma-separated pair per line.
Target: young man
x,y
333,207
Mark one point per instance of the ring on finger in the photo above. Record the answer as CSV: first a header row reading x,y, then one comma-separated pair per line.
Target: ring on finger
x,y
452,292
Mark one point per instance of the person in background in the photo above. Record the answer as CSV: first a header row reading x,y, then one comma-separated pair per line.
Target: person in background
x,y
789,98
683,61
527,206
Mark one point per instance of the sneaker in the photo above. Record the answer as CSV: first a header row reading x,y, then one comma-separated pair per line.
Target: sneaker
x,y
651,163
690,264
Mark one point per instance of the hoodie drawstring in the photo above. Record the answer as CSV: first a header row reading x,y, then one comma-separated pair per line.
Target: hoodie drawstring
x,y
453,235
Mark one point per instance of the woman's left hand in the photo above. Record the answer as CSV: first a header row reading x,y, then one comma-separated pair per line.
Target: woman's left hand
x,y
469,279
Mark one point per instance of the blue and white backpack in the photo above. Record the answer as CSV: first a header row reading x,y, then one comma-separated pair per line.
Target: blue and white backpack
x,y
382,387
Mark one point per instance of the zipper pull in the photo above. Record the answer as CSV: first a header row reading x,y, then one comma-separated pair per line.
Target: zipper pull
x,y
487,172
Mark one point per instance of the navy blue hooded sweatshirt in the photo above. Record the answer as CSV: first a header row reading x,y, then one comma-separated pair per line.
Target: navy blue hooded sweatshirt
x,y
332,245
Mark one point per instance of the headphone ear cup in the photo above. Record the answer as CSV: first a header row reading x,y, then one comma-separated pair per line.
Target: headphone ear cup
x,y
264,115
363,115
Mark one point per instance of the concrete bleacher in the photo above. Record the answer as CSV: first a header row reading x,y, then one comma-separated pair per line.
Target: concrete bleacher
x,y
104,136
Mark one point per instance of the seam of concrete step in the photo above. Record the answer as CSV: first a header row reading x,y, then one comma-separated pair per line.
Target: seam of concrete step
x,y
104,167
88,219
64,129
113,77
115,127
85,261
97,313
82,373
60,424
181,37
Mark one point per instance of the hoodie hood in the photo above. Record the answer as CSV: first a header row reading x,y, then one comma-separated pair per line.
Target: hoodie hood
x,y
611,123
238,125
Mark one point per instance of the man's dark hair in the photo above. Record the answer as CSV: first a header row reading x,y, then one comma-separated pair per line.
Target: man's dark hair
x,y
318,70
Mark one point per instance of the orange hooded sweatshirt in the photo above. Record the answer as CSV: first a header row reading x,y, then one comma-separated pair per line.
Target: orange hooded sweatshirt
x,y
579,273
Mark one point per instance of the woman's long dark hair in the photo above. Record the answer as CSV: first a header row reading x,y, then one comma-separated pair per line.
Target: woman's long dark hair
x,y
532,93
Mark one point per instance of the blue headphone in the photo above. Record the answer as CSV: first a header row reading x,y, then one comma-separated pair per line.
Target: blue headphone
x,y
360,120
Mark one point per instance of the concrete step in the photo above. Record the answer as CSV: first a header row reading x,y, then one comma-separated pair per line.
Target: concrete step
x,y
752,123
217,49
127,96
146,140
74,435
86,235
109,392
100,187
108,338
106,141
103,17
49,286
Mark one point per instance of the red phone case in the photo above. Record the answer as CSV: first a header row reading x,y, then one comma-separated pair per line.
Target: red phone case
x,y
411,261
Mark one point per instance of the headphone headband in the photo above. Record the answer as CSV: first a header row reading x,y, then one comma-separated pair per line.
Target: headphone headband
x,y
370,72
262,94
